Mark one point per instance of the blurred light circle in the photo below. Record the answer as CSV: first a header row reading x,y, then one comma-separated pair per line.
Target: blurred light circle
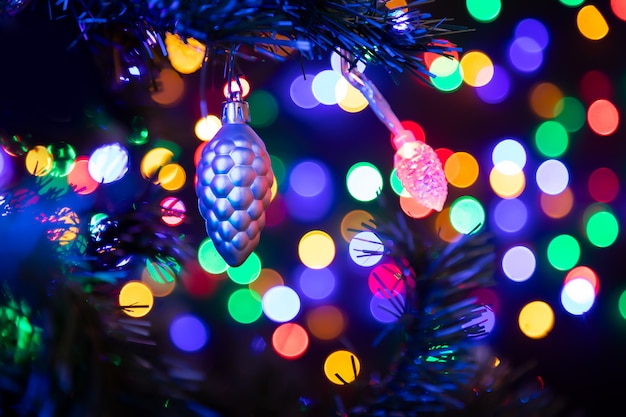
x,y
484,11
448,74
136,299
364,181
210,259
290,340
591,23
603,117
467,215
188,333
578,296
39,161
551,139
335,62
602,228
316,249
323,86
385,280
412,208
267,279
552,176
534,29
573,114
603,185
281,304
349,98
160,276
536,319
477,68
342,367
172,88
63,157
172,211
244,306
355,222
583,272
301,92
317,284
153,161
247,272
509,150
563,252
545,100
172,177
619,8
443,227
525,54
207,127
519,263
366,249
264,108
595,85
239,85
108,163
79,178
510,215
309,178
497,89
558,205
461,169
326,322
185,55
387,309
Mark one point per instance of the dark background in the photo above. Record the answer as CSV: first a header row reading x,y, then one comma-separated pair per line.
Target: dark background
x,y
47,90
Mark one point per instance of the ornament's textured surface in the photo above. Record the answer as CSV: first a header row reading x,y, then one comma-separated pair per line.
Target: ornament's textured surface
x,y
419,169
234,189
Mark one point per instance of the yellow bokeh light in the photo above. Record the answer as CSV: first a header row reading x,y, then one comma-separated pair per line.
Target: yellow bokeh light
x,y
349,98
39,161
477,68
342,367
392,4
274,189
461,169
316,249
591,23
546,100
207,127
172,177
153,161
234,87
170,88
536,319
136,299
505,184
185,55
353,223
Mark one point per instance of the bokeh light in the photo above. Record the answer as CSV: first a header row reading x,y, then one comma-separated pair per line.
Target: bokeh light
x,y
323,86
173,211
601,227
301,92
619,9
247,272
172,88
476,68
484,11
281,303
510,215
354,222
342,367
557,206
185,55
239,85
583,272
546,100
572,115
447,73
444,228
603,185
591,23
210,259
267,279
160,276
172,177
108,163
552,176
79,178
577,296
563,252
509,150
536,319
497,89
385,280
309,178
467,215
153,161
603,117
364,181
525,54
519,263
534,29
290,340
206,127
136,299
39,161
63,157
188,332
244,306
326,322
317,284
349,98
263,108
316,249
366,249
387,309
551,139
461,169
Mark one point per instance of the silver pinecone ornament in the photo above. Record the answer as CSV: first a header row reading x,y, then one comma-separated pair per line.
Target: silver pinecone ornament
x,y
234,184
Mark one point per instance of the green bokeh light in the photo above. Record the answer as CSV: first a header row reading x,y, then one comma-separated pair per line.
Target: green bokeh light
x,y
551,139
279,169
209,258
467,215
247,272
563,252
572,3
163,270
244,306
621,304
263,108
602,229
396,184
448,76
484,11
573,114
64,157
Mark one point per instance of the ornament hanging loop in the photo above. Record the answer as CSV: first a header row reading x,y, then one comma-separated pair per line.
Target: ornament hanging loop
x,y
377,102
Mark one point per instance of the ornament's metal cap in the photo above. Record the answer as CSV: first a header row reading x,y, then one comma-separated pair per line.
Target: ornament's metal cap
x,y
235,112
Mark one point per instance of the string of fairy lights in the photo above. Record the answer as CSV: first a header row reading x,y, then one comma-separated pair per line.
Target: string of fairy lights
x,y
262,293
